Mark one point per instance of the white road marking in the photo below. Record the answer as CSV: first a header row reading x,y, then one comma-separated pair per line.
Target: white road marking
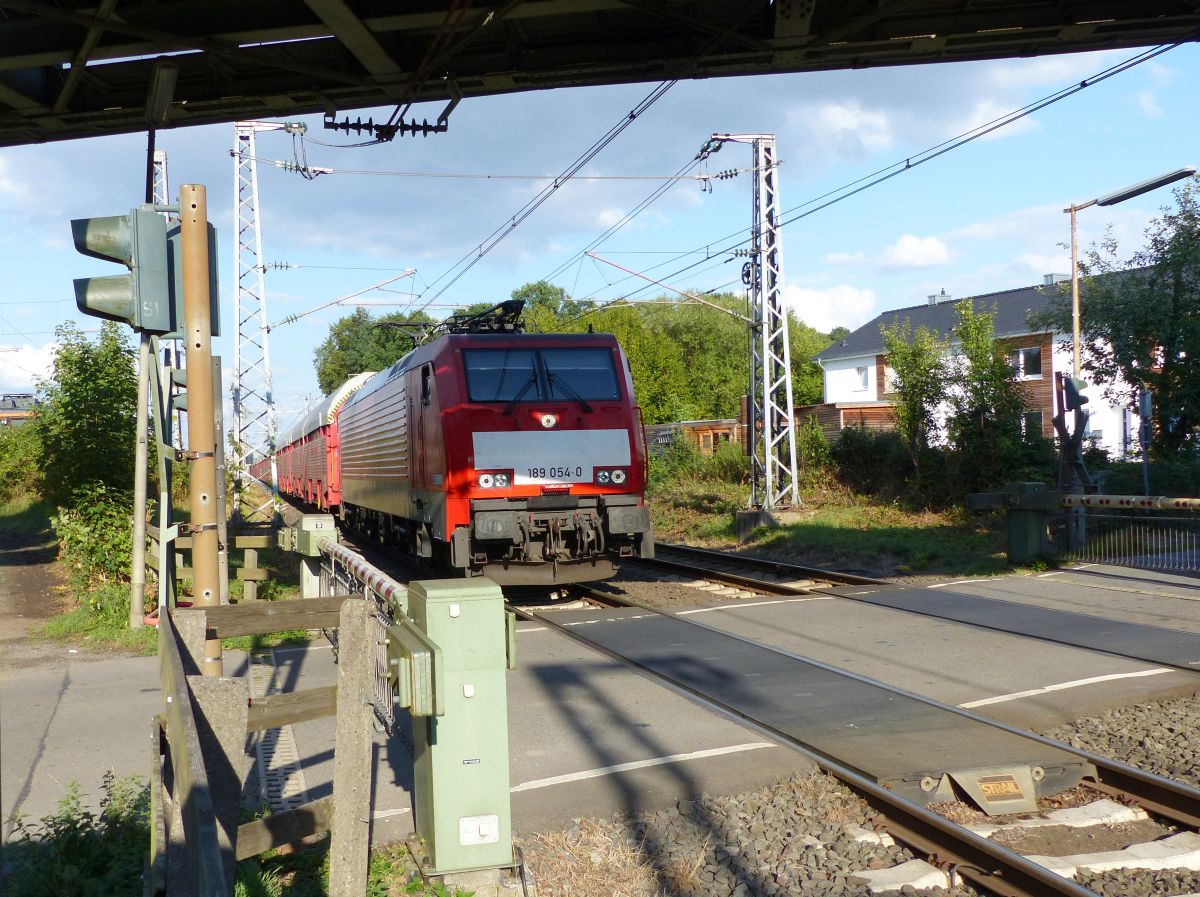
x,y
535,629
1051,573
638,764
705,610
387,814
1063,686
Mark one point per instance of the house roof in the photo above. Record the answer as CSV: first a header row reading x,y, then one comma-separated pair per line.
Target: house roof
x,y
1013,308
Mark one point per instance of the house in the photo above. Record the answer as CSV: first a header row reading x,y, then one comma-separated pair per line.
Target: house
x,y
16,408
706,436
857,378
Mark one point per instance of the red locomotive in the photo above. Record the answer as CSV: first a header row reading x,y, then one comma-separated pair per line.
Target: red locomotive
x,y
495,452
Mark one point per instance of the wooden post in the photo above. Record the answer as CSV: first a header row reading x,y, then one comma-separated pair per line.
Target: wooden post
x,y
349,852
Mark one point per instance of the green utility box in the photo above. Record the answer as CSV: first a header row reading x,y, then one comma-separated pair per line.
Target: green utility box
x,y
461,758
1029,506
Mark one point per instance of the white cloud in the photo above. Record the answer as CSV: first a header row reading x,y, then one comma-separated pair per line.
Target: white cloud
x,y
19,369
843,258
987,112
1148,103
914,252
840,306
843,129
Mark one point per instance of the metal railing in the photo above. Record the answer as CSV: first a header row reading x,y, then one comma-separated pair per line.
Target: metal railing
x,y
344,571
1149,533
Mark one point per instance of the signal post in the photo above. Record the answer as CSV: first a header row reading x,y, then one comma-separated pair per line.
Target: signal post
x,y
169,289
202,439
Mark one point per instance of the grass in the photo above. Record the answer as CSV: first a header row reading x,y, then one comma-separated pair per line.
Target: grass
x,y
100,854
838,530
27,517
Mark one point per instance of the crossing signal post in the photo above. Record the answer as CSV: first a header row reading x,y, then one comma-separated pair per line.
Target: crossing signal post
x,y
170,289
1073,476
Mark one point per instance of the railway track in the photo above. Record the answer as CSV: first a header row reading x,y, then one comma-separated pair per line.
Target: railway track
x,y
1152,644
983,863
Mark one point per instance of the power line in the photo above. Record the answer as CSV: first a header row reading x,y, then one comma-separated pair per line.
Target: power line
x,y
880,175
468,261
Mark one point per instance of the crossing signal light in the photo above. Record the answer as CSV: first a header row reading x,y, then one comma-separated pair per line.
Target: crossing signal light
x,y
1073,391
150,296
141,298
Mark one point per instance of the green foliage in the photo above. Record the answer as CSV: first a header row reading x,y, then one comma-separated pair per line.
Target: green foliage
x,y
87,416
682,462
873,462
814,454
984,424
75,851
688,361
918,359
360,342
20,461
1140,321
94,534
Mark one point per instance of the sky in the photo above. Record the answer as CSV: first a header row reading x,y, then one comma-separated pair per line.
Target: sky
x,y
984,217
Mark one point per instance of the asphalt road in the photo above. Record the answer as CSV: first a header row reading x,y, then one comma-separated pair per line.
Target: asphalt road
x,y
591,737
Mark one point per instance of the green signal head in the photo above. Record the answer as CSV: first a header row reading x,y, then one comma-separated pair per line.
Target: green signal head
x,y
141,298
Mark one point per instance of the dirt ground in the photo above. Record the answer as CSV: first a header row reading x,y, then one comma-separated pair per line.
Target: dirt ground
x,y
30,593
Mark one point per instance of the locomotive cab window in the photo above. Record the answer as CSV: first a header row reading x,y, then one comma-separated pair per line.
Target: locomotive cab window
x,y
539,375
426,377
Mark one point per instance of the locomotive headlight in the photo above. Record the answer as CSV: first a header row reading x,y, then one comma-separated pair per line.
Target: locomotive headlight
x,y
618,477
486,480
501,480
602,477
549,421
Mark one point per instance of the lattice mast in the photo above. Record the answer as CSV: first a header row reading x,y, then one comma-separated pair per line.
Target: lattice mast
x,y
252,397
772,429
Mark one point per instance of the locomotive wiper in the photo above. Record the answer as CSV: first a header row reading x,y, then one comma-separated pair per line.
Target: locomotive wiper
x,y
569,390
508,409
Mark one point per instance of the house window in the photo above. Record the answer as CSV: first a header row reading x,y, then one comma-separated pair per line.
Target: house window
x,y
861,374
1028,362
1031,424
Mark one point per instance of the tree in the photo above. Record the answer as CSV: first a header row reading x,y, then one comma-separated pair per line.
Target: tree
x,y
1140,321
920,381
88,411
358,343
984,424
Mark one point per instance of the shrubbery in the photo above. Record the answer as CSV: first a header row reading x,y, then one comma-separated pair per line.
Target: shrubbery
x,y
20,461
682,461
94,533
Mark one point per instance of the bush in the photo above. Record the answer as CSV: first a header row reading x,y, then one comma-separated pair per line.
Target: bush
x,y
20,468
681,462
873,462
77,852
95,536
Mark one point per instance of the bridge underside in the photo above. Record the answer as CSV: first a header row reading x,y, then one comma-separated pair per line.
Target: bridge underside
x,y
79,68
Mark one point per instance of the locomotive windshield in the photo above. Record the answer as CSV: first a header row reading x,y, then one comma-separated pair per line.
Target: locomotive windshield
x,y
539,375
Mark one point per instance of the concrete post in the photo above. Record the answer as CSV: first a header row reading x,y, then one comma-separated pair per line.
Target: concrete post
x,y
137,580
349,850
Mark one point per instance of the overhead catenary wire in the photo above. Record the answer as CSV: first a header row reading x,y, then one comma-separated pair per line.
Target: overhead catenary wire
x,y
468,261
838,194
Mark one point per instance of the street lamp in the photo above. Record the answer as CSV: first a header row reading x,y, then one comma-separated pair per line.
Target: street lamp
x,y
1110,199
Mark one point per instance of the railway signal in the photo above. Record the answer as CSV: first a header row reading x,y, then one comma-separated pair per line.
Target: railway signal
x,y
141,298
1073,389
150,297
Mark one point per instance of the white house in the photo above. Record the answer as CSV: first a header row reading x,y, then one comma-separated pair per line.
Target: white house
x,y
857,378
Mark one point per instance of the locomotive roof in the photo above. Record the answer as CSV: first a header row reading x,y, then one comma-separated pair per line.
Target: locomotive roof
x,y
452,341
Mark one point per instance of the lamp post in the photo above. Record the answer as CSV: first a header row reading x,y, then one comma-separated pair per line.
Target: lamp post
x,y
1110,199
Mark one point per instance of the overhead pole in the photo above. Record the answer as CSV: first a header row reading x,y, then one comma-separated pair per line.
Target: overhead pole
x,y
254,426
772,428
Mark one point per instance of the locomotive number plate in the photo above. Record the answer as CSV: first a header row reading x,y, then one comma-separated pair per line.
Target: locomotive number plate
x,y
558,456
